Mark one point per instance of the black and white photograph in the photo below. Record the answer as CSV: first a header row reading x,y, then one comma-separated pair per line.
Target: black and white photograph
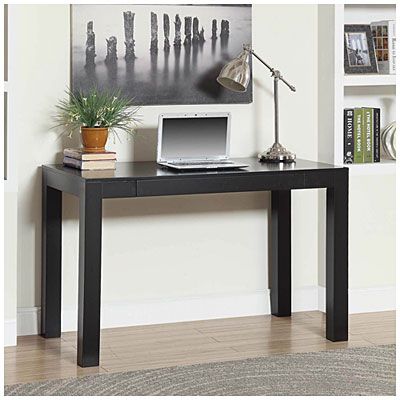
x,y
359,53
158,54
357,49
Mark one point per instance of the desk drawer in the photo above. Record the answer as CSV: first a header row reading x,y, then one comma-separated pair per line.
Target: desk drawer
x,y
219,184
119,189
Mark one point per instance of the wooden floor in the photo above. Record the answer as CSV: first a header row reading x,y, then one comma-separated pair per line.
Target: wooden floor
x,y
154,346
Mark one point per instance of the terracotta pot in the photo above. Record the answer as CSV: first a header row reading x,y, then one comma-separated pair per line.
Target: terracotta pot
x,y
94,139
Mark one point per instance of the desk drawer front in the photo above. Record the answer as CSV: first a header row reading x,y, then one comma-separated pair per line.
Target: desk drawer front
x,y
119,189
220,184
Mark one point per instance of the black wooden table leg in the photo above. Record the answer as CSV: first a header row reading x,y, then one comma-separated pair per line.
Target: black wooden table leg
x,y
51,261
337,258
90,222
281,247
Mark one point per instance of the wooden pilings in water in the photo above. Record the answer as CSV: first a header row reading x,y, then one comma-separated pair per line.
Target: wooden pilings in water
x,y
129,27
201,35
154,33
214,29
167,46
111,56
188,31
90,44
224,33
178,24
224,28
191,31
196,34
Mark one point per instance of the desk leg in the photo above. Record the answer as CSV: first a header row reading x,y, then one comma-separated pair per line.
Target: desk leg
x,y
51,261
337,260
90,221
281,247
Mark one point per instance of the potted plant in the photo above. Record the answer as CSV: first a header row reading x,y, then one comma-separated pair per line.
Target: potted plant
x,y
95,114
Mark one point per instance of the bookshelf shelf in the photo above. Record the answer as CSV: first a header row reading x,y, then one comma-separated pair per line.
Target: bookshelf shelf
x,y
369,80
338,90
381,168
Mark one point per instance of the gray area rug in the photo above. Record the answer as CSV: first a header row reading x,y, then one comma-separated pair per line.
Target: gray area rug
x,y
357,371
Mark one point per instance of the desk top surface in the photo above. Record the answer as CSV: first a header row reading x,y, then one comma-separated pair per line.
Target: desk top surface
x,y
150,169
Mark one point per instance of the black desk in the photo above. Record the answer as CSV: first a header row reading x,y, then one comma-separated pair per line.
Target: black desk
x,y
143,179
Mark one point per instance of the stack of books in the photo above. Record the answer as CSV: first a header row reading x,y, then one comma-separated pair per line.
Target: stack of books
x,y
362,135
79,159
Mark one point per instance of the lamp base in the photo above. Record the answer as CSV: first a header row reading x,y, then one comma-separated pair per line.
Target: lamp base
x,y
276,154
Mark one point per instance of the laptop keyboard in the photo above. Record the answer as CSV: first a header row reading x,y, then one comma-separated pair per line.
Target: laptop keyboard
x,y
203,163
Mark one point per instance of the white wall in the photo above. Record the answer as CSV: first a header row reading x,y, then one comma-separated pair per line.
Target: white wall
x,y
10,267
10,219
372,231
217,267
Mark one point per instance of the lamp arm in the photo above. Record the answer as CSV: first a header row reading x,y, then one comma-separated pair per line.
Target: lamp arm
x,y
275,73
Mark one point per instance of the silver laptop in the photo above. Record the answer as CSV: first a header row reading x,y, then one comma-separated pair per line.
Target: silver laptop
x,y
195,141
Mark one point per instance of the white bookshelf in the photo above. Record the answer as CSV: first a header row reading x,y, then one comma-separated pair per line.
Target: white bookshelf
x,y
341,91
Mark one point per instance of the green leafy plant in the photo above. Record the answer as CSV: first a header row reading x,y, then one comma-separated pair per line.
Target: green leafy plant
x,y
97,109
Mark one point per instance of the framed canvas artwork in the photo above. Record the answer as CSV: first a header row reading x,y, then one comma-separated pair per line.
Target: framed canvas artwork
x,y
158,54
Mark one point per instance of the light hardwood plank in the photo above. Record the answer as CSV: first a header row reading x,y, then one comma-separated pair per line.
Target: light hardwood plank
x,y
193,342
14,377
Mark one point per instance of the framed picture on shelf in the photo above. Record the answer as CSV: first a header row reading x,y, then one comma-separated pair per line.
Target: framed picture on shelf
x,y
359,52
384,35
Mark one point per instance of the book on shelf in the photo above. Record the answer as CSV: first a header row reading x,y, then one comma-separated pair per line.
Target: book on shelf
x,y
361,135
89,165
80,154
367,135
348,136
384,35
358,145
377,135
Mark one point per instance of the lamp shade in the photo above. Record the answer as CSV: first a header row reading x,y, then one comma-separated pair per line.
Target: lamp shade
x,y
235,75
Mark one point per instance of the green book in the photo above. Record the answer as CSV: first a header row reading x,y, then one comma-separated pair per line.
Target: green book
x,y
368,135
358,128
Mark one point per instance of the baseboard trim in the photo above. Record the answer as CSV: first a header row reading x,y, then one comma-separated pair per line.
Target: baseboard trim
x,y
373,299
209,307
157,311
364,300
10,332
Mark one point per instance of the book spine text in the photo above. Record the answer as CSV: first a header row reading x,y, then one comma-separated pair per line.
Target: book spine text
x,y
377,135
392,46
358,148
348,150
367,135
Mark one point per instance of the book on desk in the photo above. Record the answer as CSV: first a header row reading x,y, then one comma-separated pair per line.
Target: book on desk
x,y
79,159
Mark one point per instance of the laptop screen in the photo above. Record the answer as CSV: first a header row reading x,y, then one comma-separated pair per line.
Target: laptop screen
x,y
194,138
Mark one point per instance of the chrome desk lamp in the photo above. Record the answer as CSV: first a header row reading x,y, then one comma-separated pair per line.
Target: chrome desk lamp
x,y
235,76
